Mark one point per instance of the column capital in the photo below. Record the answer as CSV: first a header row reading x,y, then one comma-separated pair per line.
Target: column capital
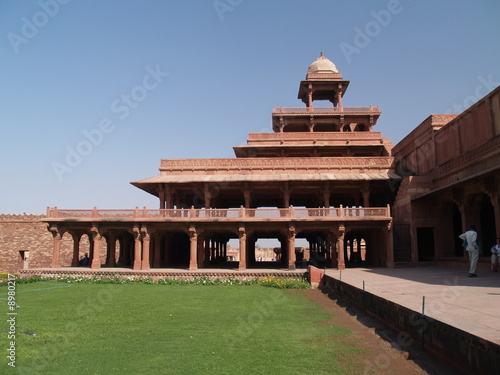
x,y
192,231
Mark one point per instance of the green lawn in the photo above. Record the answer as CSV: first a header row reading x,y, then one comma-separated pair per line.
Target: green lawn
x,y
173,329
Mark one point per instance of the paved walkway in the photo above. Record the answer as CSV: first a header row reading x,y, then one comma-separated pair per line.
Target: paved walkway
x,y
471,304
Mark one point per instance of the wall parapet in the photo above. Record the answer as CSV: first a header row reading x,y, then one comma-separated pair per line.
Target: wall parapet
x,y
21,217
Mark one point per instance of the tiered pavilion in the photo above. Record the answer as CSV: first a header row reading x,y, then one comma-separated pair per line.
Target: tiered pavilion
x,y
323,175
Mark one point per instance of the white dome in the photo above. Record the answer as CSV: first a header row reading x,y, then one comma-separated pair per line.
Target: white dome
x,y
322,65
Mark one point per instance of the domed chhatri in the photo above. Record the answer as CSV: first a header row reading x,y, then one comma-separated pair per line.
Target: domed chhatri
x,y
322,65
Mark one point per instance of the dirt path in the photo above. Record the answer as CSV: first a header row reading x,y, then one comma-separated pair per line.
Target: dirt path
x,y
383,356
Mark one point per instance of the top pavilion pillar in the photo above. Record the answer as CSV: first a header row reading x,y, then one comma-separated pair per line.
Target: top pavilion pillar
x,y
323,82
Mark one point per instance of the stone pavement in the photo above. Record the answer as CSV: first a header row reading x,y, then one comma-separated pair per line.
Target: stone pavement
x,y
470,304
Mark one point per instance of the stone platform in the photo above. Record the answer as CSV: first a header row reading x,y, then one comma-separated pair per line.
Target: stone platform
x,y
471,304
451,316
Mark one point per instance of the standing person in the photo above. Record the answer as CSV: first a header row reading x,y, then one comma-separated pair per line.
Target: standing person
x,y
472,248
495,251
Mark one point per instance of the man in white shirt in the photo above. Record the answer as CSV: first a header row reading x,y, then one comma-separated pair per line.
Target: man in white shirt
x,y
471,237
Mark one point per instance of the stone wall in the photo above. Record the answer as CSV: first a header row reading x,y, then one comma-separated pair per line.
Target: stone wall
x,y
27,232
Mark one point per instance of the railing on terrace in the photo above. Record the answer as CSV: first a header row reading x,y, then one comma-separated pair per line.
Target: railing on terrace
x,y
214,214
302,110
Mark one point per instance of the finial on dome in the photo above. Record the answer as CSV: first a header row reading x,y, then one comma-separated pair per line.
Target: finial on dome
x,y
321,54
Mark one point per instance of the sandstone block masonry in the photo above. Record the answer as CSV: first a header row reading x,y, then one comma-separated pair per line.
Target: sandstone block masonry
x,y
28,232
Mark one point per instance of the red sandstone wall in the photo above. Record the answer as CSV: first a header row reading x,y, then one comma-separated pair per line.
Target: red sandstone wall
x,y
26,232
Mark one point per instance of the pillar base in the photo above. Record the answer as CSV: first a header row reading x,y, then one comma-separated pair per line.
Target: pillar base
x,y
95,264
291,267
193,268
145,266
137,265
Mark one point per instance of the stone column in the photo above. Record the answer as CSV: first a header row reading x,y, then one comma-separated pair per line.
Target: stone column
x,y
137,248
340,248
286,195
390,247
339,95
161,194
145,265
243,248
247,196
96,254
366,198
169,197
193,247
56,253
326,196
291,247
207,196
76,248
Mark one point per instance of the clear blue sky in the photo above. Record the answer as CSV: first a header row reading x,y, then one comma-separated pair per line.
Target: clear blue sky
x,y
190,79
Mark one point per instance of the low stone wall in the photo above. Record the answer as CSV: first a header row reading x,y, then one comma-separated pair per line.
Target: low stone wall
x,y
111,273
466,353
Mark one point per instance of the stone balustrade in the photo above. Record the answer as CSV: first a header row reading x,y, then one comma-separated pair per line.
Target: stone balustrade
x,y
217,214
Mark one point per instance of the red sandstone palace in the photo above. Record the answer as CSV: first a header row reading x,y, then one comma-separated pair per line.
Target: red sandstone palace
x,y
324,175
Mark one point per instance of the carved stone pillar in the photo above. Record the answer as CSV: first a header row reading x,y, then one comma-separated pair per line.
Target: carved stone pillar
x,y
326,196
390,246
145,264
76,236
137,248
193,247
243,248
207,196
286,195
161,194
340,248
247,195
291,247
56,253
96,253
